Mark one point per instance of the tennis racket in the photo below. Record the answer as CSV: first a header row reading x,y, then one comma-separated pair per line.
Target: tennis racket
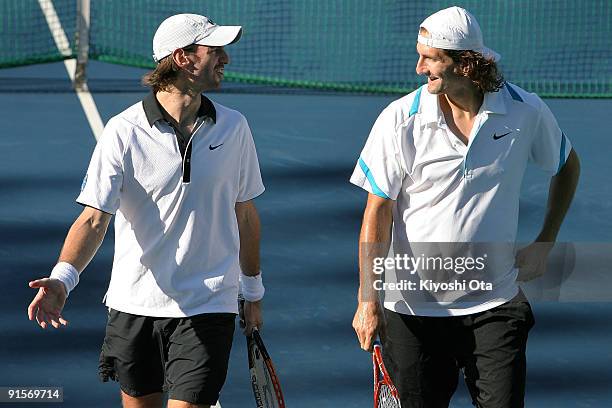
x,y
385,393
264,381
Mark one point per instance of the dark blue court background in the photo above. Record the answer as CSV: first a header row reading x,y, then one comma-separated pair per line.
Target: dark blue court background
x,y
310,214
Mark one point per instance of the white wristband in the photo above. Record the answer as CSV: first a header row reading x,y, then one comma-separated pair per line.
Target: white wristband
x,y
251,287
67,274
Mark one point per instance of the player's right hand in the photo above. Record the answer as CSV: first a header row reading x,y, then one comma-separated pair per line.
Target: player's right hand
x,y
47,305
368,324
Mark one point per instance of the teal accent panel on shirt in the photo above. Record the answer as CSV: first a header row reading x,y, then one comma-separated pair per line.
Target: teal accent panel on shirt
x,y
561,154
414,108
513,93
375,189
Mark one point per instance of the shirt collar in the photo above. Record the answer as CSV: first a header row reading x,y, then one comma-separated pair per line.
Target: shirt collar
x,y
493,103
154,111
430,112
429,108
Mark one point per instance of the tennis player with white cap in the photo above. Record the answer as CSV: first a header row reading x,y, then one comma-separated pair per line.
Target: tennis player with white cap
x,y
180,173
444,165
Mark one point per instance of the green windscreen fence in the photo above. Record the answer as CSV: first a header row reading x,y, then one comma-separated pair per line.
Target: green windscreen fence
x,y
552,47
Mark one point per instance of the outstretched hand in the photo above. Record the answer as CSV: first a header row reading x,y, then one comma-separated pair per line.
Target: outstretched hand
x,y
47,305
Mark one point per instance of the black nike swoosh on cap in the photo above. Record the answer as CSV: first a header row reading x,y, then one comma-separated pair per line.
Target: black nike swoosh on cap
x,y
211,147
495,136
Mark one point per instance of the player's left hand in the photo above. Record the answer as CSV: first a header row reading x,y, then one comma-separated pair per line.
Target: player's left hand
x,y
251,317
531,260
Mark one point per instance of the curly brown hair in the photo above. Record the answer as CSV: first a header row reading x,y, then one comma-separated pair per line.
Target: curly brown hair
x,y
165,73
483,72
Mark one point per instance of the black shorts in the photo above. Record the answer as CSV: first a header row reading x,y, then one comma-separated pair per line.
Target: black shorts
x,y
186,357
424,355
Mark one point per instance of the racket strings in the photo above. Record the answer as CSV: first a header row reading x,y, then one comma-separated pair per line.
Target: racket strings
x,y
264,381
386,398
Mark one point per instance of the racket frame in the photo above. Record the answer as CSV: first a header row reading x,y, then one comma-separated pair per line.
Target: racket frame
x,y
381,376
254,340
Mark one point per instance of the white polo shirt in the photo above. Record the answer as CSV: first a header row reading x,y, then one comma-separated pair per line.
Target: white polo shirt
x,y
445,191
176,233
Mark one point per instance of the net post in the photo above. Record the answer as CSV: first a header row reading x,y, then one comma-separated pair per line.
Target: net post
x,y
82,45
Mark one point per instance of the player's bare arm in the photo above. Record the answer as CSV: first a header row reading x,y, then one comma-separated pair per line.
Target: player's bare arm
x,y
249,229
82,242
374,241
532,259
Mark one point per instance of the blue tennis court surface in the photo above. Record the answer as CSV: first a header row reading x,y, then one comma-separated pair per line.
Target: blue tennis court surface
x,y
307,146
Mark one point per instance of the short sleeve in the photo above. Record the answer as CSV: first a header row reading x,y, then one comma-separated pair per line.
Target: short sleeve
x,y
550,147
250,184
102,184
379,169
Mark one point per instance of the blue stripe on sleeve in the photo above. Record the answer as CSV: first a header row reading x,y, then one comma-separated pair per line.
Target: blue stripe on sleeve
x,y
561,154
375,189
513,93
414,108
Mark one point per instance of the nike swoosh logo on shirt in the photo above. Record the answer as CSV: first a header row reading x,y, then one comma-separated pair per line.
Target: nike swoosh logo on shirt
x,y
495,137
211,147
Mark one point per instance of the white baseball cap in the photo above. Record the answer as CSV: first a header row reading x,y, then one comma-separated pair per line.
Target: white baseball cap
x,y
455,28
181,30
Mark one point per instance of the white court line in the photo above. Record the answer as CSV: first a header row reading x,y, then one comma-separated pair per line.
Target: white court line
x,y
63,45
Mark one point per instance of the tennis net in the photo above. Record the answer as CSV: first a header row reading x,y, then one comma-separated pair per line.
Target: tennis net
x,y
557,48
